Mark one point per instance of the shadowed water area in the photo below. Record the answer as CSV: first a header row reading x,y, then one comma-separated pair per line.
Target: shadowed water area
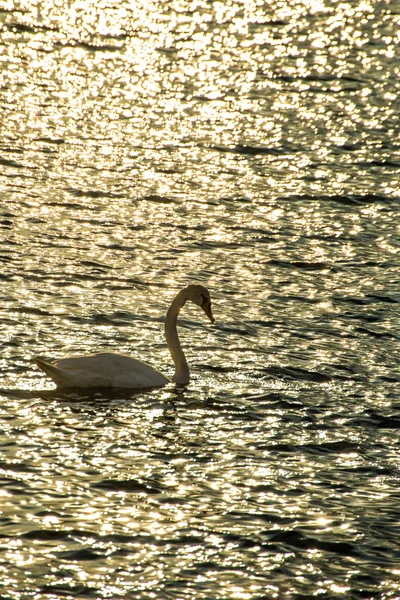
x,y
252,147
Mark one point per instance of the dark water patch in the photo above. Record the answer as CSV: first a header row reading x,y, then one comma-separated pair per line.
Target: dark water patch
x,y
346,373
31,310
117,318
103,48
376,334
302,265
92,194
371,418
101,319
25,28
360,199
300,541
390,379
82,535
369,318
13,485
350,300
265,323
45,535
168,171
96,265
49,140
215,368
68,205
237,200
384,298
13,149
258,233
5,162
372,470
274,448
241,329
358,264
18,467
19,27
348,147
90,46
263,517
129,485
215,244
256,150
78,276
297,373
159,199
380,163
60,590
350,370
390,422
319,78
274,398
6,224
340,447
346,199
82,554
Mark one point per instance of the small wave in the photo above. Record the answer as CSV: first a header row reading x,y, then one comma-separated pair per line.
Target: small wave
x,y
129,485
91,46
339,447
45,535
49,140
380,163
10,163
81,554
69,590
297,373
373,419
31,310
159,199
346,199
376,334
275,400
256,150
302,265
383,298
92,193
301,541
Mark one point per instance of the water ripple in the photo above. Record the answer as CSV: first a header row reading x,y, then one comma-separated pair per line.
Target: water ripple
x,y
252,148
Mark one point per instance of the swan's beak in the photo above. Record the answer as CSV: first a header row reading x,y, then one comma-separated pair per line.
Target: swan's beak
x,y
208,311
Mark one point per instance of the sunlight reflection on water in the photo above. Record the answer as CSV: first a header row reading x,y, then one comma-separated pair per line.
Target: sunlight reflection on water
x,y
251,147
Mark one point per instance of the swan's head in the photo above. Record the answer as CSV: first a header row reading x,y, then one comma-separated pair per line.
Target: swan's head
x,y
200,295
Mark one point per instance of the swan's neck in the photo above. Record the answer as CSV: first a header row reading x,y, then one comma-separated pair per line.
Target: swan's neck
x,y
182,374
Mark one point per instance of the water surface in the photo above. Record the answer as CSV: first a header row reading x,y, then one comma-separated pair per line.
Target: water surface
x,y
252,147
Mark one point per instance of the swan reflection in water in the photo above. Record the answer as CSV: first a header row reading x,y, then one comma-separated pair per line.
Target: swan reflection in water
x,y
108,370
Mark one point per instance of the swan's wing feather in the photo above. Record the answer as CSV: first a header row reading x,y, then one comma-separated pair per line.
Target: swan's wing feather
x,y
102,370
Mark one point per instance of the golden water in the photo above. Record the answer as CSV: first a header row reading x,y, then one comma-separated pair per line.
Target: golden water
x,y
252,147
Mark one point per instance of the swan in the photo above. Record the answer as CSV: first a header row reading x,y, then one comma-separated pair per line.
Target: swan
x,y
108,370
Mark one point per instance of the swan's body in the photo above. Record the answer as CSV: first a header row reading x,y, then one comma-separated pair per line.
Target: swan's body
x,y
108,370
104,370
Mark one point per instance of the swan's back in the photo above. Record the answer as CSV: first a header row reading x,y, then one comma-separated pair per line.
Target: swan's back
x,y
104,370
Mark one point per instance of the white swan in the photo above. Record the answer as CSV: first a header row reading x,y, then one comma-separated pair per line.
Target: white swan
x,y
107,370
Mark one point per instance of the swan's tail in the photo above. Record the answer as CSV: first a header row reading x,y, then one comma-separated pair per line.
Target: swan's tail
x,y
51,370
